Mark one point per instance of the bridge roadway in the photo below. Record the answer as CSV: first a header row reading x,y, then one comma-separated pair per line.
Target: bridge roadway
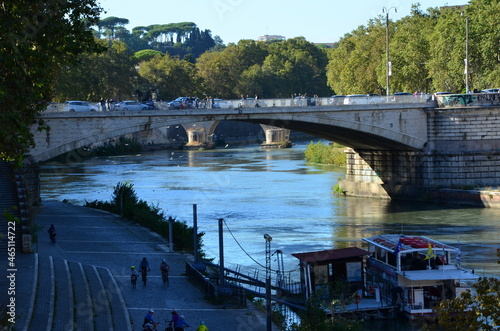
x,y
395,150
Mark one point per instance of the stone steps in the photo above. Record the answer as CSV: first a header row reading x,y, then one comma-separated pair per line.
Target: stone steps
x,y
72,296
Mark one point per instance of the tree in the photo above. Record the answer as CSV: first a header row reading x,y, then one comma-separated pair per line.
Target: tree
x,y
146,55
447,51
169,77
484,57
36,38
358,64
108,75
409,52
479,311
110,24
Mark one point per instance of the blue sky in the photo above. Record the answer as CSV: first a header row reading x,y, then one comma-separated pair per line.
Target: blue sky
x,y
318,21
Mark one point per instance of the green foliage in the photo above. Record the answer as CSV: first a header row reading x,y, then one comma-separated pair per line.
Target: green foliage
x,y
325,154
169,77
146,55
109,75
479,311
122,147
36,38
125,202
427,52
314,317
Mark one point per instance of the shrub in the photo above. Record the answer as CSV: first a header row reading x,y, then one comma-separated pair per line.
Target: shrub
x,y
125,202
326,154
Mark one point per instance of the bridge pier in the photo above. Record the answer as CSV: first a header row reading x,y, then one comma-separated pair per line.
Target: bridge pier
x,y
276,137
200,134
383,174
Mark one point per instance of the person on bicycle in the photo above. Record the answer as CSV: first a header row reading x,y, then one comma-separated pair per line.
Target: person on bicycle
x,y
144,266
52,232
180,324
173,321
148,320
134,275
164,268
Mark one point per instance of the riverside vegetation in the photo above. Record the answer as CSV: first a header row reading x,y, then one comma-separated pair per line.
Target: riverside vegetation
x,y
326,154
125,202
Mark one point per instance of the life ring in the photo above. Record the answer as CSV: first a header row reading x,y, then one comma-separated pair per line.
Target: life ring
x,y
357,298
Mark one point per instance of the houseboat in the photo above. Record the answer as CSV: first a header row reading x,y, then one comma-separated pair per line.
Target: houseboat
x,y
415,272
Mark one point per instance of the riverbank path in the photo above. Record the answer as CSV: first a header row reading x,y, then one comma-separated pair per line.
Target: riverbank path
x,y
83,281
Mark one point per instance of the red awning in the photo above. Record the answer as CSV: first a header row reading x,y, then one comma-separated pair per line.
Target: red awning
x,y
331,254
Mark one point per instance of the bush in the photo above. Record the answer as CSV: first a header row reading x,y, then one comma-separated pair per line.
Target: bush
x,y
326,154
125,202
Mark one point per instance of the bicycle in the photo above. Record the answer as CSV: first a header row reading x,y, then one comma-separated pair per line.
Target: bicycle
x,y
144,274
133,280
164,277
52,238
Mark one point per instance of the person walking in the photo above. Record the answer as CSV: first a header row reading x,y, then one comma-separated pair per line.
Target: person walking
x,y
164,269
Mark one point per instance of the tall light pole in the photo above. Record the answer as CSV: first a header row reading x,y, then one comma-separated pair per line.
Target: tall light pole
x,y
268,239
387,62
466,54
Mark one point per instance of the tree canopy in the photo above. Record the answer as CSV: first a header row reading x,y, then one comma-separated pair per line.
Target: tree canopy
x,y
36,38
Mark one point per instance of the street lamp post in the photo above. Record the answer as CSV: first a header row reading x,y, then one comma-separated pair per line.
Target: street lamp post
x,y
466,54
268,239
387,62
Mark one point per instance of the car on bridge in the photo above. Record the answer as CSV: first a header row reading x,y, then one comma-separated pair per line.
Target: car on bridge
x,y
491,90
183,103
129,105
219,103
78,106
336,100
362,99
402,97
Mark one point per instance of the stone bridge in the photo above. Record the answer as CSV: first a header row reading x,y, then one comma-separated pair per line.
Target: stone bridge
x,y
393,150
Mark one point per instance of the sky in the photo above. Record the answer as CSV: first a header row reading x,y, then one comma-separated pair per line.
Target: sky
x,y
319,21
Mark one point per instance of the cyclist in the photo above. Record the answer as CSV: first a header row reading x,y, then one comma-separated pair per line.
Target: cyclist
x,y
164,268
52,233
149,322
133,276
144,268
144,265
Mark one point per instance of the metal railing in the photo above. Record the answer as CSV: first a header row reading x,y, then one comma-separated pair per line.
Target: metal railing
x,y
268,103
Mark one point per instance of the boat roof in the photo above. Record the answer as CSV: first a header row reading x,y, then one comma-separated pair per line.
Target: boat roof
x,y
409,244
331,254
420,275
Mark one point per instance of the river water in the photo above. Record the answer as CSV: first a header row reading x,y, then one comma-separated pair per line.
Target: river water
x,y
272,192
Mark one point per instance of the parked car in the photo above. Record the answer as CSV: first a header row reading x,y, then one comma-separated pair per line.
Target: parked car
x,y
219,103
79,106
150,104
129,105
183,103
402,97
491,90
304,101
337,99
362,99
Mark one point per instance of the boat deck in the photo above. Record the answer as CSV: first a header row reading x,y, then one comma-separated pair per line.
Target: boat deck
x,y
369,309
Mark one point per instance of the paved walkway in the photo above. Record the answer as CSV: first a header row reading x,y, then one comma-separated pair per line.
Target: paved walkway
x,y
96,242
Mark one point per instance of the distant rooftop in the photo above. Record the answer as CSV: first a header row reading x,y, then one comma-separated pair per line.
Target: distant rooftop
x,y
269,37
